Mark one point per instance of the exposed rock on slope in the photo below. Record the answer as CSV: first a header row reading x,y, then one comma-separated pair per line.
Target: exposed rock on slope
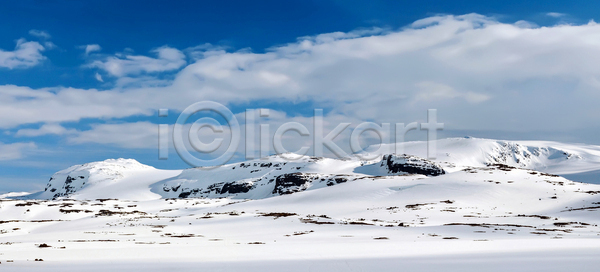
x,y
411,165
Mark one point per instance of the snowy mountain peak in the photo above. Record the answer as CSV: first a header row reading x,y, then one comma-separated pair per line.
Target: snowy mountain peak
x,y
68,181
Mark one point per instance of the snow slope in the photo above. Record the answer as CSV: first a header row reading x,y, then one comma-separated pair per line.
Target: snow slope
x,y
504,215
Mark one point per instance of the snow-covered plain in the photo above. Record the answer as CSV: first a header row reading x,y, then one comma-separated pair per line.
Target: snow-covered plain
x,y
482,205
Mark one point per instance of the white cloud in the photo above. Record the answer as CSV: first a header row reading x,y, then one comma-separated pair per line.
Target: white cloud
x,y
489,64
168,59
26,54
525,24
99,77
40,34
15,150
44,130
50,45
555,14
54,105
433,91
89,48
205,50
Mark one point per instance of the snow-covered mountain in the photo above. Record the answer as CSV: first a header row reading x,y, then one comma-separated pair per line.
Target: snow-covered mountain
x,y
112,178
271,176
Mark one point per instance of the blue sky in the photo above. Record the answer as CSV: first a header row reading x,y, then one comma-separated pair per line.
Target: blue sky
x,y
81,80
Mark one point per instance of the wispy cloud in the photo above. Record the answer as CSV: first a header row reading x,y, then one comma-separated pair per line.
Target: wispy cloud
x,y
45,129
555,14
98,77
40,34
168,59
15,150
89,48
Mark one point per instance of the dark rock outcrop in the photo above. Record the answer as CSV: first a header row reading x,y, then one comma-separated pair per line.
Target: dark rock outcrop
x,y
291,183
235,188
411,165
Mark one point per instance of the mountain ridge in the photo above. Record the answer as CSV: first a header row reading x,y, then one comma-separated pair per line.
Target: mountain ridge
x,y
274,175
